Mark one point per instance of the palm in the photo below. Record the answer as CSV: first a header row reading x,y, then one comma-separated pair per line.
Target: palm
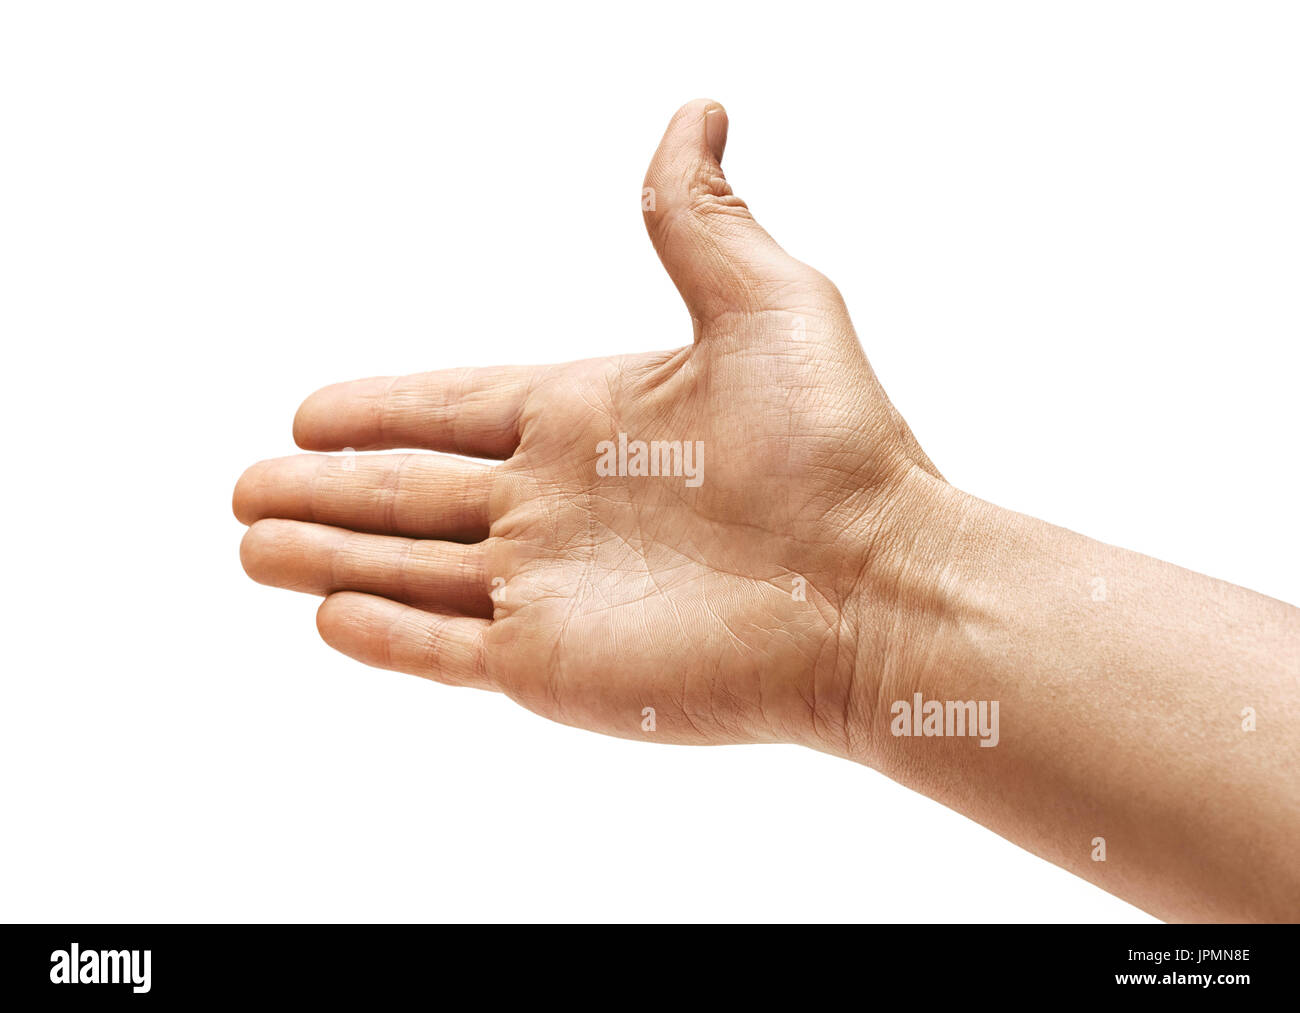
x,y
703,604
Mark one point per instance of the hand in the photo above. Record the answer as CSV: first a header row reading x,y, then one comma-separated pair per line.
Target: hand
x,y
750,595
800,575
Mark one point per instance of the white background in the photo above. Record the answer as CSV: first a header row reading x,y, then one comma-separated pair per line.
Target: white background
x,y
1068,236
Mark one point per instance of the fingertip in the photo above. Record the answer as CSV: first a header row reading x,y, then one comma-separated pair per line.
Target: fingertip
x,y
323,415
303,428
697,107
324,616
706,118
715,131
261,550
250,549
243,501
332,620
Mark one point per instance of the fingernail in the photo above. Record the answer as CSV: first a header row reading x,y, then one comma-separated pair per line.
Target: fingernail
x,y
715,131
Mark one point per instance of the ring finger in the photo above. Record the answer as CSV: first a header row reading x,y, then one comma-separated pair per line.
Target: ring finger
x,y
321,560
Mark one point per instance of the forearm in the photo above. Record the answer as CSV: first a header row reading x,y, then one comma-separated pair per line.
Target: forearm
x,y
1120,683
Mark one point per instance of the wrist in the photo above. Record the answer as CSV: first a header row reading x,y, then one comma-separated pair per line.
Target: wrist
x,y
918,611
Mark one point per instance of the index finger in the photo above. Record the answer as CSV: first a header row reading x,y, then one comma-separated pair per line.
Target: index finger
x,y
473,412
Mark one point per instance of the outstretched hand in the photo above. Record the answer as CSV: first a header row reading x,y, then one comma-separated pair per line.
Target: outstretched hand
x,y
702,545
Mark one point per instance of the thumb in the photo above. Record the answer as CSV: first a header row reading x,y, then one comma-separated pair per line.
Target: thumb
x,y
721,260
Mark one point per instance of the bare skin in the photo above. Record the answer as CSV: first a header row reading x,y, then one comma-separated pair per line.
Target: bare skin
x,y
820,571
